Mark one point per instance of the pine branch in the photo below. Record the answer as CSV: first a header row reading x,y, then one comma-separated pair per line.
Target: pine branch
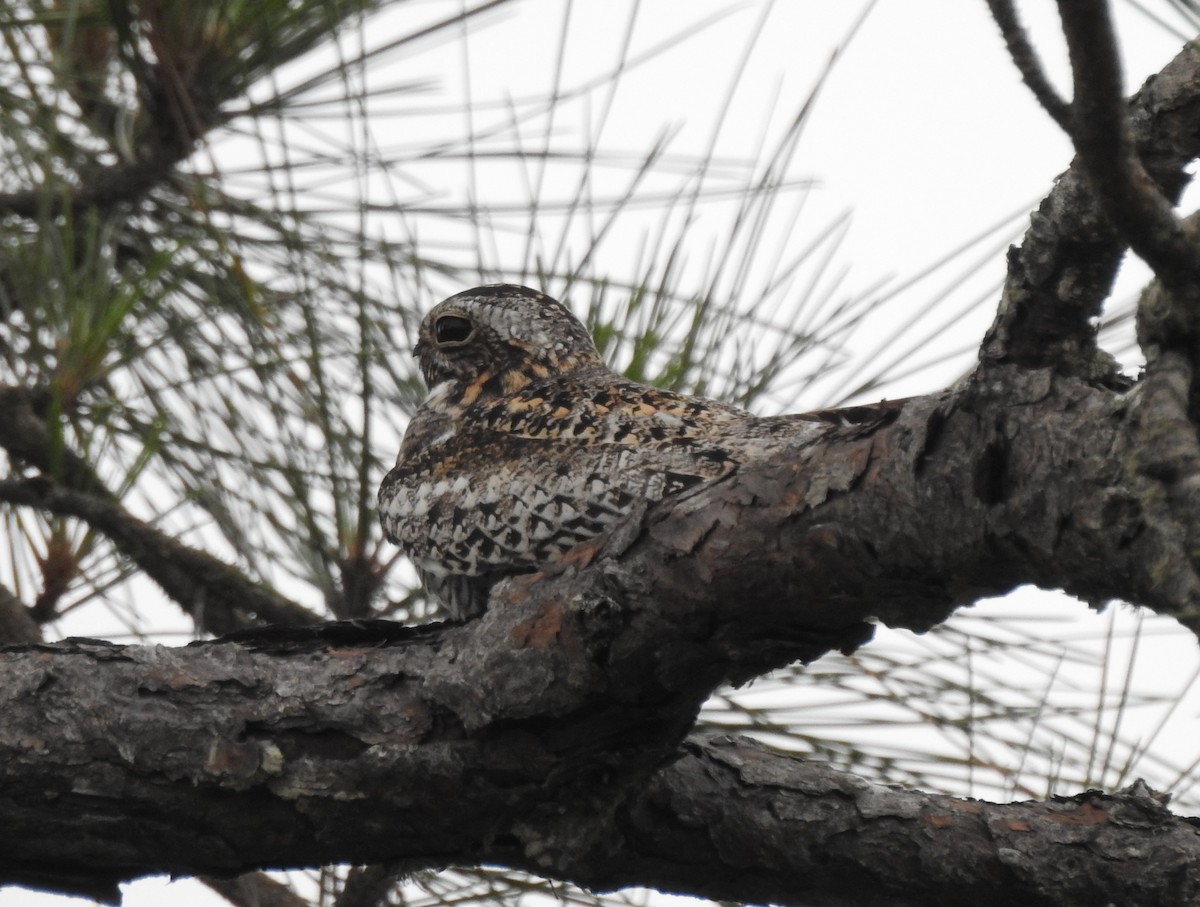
x,y
352,745
218,596
1060,275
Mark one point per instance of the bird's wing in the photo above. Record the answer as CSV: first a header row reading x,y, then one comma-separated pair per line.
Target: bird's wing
x,y
484,499
606,410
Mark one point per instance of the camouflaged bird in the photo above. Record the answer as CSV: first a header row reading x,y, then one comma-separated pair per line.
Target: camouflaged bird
x,y
528,444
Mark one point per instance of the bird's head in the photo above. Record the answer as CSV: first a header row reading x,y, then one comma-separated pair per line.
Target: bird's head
x,y
495,339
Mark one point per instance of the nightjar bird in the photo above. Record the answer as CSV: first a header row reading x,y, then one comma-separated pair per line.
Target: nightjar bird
x,y
528,444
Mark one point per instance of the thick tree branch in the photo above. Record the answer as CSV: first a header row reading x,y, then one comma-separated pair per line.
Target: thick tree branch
x,y
351,748
748,825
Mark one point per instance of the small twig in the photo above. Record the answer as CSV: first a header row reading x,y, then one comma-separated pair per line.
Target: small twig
x,y
101,188
17,624
1103,138
367,886
1060,275
255,889
1027,63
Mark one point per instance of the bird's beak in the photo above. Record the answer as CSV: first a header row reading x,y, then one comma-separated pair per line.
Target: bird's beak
x,y
418,349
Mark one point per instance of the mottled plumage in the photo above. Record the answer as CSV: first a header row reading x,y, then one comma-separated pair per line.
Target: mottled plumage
x,y
528,444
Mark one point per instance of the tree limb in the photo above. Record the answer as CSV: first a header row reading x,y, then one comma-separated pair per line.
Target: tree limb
x,y
543,734
255,889
352,746
733,821
1026,60
1102,135
1061,274
124,183
368,886
218,596
17,624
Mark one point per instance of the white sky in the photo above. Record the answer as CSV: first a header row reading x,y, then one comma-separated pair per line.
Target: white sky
x,y
923,130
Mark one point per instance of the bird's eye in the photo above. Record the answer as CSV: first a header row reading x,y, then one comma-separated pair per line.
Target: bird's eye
x,y
452,329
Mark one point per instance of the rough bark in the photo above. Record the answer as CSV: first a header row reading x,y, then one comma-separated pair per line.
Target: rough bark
x,y
1059,277
346,746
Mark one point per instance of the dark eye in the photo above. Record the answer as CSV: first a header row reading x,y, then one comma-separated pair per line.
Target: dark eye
x,y
452,329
